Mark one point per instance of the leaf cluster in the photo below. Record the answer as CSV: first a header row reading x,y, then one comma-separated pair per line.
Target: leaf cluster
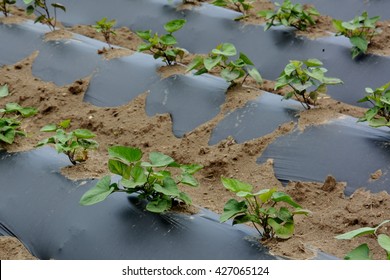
x,y
362,252
44,15
289,14
105,26
379,114
4,6
230,70
10,126
74,144
241,6
163,46
261,209
359,30
306,79
153,180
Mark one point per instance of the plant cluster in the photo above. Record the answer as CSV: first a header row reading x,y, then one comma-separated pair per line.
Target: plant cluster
x,y
230,70
75,144
359,30
262,209
105,26
362,252
153,180
289,14
306,79
241,6
10,126
44,15
4,6
379,114
163,46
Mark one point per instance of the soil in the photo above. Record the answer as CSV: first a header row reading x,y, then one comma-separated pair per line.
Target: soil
x,y
332,212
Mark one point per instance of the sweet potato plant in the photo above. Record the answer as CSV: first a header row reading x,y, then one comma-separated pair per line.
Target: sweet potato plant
x,y
157,181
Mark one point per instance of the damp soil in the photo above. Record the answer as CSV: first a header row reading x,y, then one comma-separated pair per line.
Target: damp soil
x,y
332,212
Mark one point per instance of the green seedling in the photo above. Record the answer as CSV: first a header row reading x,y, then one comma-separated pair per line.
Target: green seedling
x,y
306,79
289,14
241,6
151,180
362,252
4,6
105,26
379,114
75,144
163,46
360,32
10,126
230,70
268,209
44,15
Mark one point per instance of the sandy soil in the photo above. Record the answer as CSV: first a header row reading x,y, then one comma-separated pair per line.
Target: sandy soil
x,y
332,213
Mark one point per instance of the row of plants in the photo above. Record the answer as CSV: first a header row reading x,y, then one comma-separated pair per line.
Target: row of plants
x,y
360,30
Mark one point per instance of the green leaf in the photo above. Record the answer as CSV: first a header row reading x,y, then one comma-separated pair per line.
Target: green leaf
x,y
362,252
255,75
174,25
189,180
30,9
159,205
235,185
266,194
4,91
158,160
244,58
168,39
281,196
59,6
191,168
359,42
119,168
83,134
231,75
65,124
283,231
99,192
225,49
232,208
356,232
144,34
185,198
313,62
384,242
125,154
195,63
169,188
211,62
8,137
28,111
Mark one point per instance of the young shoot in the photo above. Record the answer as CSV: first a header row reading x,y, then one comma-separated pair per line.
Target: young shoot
x,y
379,114
163,46
271,212
232,71
241,6
306,79
153,180
105,26
359,30
75,144
289,14
44,15
10,118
